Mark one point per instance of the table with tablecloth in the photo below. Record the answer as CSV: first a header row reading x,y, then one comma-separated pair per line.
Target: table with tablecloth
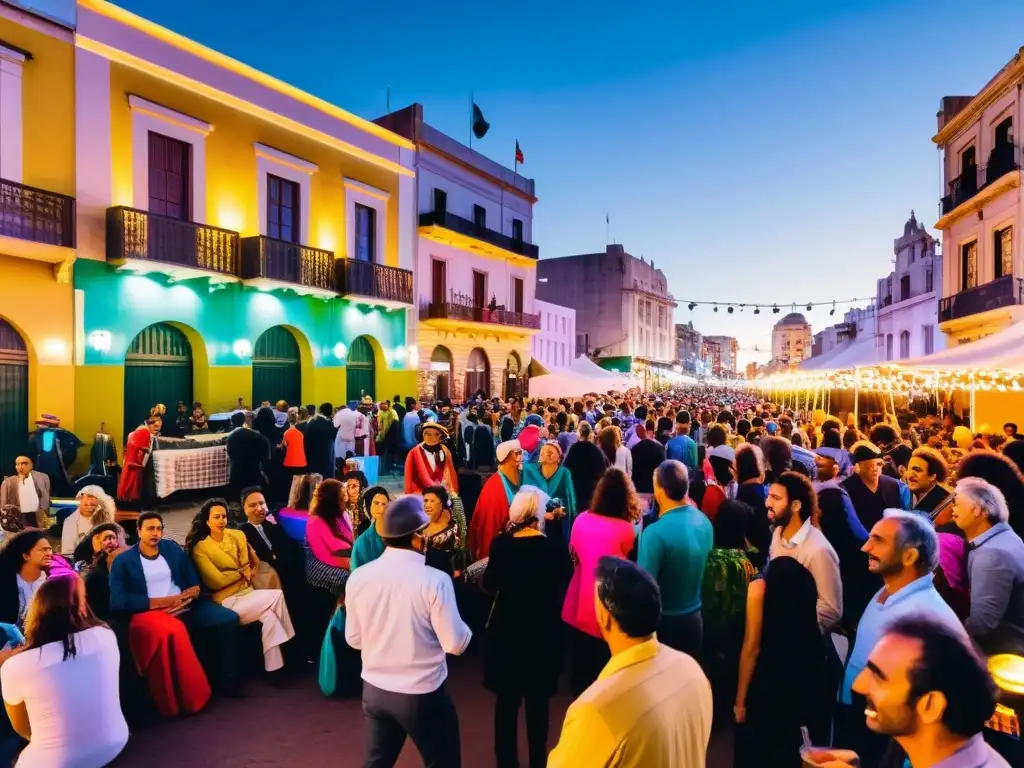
x,y
199,462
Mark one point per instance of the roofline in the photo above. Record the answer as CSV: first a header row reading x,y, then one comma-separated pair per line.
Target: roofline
x,y
1005,77
129,19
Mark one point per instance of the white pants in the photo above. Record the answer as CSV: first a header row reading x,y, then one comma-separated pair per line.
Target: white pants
x,y
266,606
342,447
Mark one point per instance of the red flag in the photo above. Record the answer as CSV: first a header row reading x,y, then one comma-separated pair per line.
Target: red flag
x,y
519,154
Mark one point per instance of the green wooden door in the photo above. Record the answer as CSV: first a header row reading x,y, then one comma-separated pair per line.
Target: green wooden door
x,y
157,369
276,371
360,369
13,397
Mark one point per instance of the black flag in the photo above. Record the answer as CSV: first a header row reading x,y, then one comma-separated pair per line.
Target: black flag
x,y
480,126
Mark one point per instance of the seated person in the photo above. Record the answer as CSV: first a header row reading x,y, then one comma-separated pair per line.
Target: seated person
x,y
26,561
294,517
61,691
329,538
158,644
228,566
276,552
156,576
95,507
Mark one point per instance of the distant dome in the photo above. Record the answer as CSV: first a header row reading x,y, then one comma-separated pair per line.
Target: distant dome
x,y
793,318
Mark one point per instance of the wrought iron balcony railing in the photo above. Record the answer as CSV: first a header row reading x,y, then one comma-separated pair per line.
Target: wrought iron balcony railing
x,y
472,229
961,189
1004,291
374,281
499,316
139,235
28,213
271,259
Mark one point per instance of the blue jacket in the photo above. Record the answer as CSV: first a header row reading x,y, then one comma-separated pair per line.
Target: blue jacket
x,y
128,583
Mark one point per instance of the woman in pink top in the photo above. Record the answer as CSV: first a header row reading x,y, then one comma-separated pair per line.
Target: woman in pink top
x,y
328,539
607,528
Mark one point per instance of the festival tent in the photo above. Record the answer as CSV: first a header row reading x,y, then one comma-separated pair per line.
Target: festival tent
x,y
863,351
1000,351
580,378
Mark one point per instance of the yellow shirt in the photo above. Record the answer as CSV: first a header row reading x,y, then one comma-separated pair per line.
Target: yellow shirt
x,y
650,707
219,564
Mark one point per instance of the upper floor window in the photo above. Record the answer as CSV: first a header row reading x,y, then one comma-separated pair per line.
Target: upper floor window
x,y
968,160
648,312
366,233
888,347
968,265
282,209
904,345
912,253
440,201
170,166
904,287
1002,250
480,216
929,339
929,282
517,230
517,295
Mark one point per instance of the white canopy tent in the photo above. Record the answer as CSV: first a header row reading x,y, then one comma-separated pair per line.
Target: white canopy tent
x,y
863,351
581,377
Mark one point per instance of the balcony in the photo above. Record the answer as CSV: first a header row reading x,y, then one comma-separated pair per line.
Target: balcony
x,y
36,224
1003,159
465,228
374,283
461,312
268,263
961,189
1002,292
148,242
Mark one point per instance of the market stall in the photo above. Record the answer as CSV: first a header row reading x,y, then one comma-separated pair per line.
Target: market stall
x,y
196,462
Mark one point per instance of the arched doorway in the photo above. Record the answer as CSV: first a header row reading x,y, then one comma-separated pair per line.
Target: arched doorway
x,y
157,369
360,369
13,396
513,372
276,369
441,365
478,374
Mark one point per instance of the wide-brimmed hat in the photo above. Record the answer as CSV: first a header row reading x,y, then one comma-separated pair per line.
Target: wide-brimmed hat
x,y
434,425
403,516
48,420
367,400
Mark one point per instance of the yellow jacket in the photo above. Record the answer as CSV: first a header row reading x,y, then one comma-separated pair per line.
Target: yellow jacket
x,y
220,564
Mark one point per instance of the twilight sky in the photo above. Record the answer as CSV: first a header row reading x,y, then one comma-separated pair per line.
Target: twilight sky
x,y
757,152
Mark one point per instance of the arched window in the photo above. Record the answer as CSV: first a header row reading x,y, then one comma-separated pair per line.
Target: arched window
x,y
888,347
904,345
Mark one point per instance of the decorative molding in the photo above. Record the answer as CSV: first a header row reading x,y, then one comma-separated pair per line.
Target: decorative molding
x,y
270,164
13,55
180,119
976,107
283,158
62,270
366,189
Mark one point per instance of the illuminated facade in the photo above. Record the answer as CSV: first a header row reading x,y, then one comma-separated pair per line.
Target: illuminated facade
x,y
791,340
37,228
237,237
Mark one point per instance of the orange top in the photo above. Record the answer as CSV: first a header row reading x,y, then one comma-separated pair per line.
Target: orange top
x,y
294,450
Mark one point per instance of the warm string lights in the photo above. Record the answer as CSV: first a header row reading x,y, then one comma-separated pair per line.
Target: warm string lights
x,y
732,306
895,380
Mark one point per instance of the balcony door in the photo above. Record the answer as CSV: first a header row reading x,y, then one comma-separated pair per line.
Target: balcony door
x,y
479,289
170,165
282,209
517,295
969,265
438,282
366,233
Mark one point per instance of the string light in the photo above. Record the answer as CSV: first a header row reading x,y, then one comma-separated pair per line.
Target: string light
x,y
897,380
693,304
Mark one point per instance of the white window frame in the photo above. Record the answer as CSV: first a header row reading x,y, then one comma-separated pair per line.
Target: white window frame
x,y
11,123
371,197
290,168
148,116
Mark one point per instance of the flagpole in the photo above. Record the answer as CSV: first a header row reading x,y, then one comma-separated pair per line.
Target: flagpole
x,y
607,224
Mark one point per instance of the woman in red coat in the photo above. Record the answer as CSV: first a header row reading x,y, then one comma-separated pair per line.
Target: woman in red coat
x,y
136,455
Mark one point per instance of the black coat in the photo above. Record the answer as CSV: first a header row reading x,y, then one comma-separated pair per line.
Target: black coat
x,y
523,650
249,455
586,464
647,455
318,442
286,551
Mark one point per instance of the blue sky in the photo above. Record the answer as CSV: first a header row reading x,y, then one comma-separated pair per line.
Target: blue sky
x,y
757,152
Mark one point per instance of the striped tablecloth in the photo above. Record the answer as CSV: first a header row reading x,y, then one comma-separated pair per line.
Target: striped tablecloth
x,y
189,468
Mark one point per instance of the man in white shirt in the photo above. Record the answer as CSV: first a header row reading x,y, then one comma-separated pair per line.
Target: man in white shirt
x,y
791,505
402,615
346,420
29,491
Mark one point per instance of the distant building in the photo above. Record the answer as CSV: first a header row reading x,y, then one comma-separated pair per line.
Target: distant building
x,y
623,303
712,354
729,350
791,340
982,215
752,370
555,346
908,303
689,349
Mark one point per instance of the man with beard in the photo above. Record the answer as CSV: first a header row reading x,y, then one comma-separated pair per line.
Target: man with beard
x,y
926,470
927,688
904,551
791,506
491,513
430,463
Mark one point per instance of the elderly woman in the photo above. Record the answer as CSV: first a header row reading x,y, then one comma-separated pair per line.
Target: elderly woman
x,y
551,477
95,507
995,567
446,533
523,651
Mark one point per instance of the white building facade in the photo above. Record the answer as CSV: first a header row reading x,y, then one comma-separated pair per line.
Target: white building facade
x,y
908,298
791,340
476,267
555,346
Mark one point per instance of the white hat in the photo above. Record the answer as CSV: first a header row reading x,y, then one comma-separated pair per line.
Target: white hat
x,y
722,452
504,449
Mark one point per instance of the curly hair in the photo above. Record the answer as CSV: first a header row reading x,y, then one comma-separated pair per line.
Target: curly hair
x,y
615,496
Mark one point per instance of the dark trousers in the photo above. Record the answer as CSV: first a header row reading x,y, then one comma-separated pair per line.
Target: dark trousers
x,y
589,654
429,719
684,633
506,728
214,633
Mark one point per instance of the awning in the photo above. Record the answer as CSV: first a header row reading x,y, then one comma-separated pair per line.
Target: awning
x,y
536,369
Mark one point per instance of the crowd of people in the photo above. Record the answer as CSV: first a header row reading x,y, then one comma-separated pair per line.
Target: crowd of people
x,y
695,559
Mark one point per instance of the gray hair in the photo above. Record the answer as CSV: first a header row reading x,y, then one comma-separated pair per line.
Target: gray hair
x,y
915,530
986,497
108,507
673,478
529,503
